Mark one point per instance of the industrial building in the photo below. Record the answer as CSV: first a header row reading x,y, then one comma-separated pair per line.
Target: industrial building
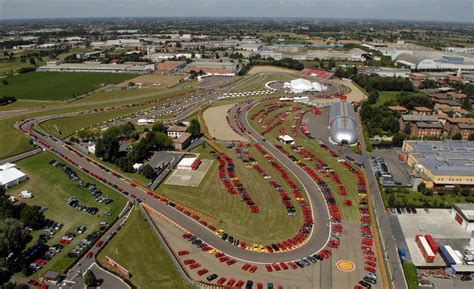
x,y
441,163
430,61
342,124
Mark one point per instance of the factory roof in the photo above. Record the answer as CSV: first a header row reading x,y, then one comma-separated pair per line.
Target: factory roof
x,y
452,158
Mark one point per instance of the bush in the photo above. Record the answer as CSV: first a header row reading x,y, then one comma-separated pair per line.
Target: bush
x,y
26,70
90,279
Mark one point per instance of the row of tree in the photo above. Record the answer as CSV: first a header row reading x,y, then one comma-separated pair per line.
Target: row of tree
x,y
285,62
374,82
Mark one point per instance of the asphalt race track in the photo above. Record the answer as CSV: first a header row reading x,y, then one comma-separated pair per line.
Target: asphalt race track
x,y
316,242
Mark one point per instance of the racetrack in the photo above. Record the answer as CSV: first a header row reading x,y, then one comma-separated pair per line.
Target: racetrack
x,y
319,235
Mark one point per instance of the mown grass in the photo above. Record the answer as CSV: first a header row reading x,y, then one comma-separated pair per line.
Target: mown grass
x,y
137,248
51,187
410,275
57,85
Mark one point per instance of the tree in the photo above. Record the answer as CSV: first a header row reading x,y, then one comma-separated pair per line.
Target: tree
x,y
159,127
32,217
148,172
90,279
398,139
194,128
373,96
457,136
107,148
12,236
466,103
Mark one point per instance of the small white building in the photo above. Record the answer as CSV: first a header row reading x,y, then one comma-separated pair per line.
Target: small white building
x,y
145,121
91,149
26,195
10,175
189,163
137,166
286,139
176,131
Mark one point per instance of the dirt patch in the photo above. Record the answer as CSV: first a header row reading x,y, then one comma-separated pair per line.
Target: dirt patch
x,y
156,80
270,68
217,125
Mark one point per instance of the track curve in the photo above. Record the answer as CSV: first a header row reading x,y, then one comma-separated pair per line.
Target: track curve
x,y
317,241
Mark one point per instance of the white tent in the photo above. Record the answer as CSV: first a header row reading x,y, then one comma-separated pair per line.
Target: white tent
x,y
303,85
10,175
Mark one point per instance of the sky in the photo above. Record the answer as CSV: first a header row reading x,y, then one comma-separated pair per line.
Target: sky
x,y
437,10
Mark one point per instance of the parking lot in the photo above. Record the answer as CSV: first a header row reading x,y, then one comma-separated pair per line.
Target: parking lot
x,y
317,276
436,222
397,169
189,178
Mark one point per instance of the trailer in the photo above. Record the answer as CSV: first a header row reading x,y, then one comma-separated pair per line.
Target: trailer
x,y
448,255
425,248
432,243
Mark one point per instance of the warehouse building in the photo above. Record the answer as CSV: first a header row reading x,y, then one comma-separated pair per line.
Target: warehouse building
x,y
342,124
441,164
429,61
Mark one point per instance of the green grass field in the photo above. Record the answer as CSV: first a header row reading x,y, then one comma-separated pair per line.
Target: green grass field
x,y
145,257
272,224
51,187
57,85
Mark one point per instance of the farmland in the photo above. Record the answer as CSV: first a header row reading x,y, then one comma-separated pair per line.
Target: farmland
x,y
57,85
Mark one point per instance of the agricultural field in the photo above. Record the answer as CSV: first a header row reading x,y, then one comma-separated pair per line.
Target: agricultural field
x,y
149,269
57,85
51,188
271,224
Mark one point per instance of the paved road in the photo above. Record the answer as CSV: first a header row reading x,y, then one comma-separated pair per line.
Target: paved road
x,y
321,231
317,241
74,276
388,243
21,156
